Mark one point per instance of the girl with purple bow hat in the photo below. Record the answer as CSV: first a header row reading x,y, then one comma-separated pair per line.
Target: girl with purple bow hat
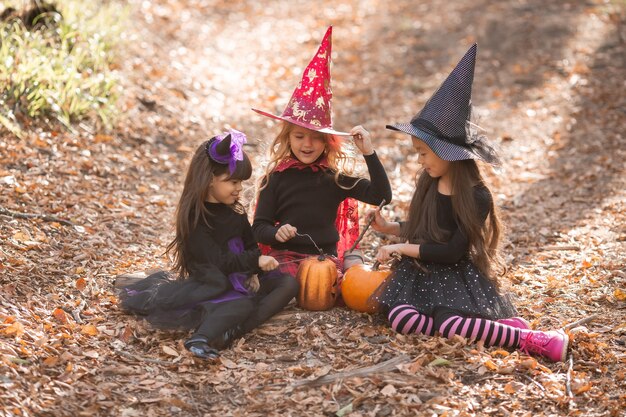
x,y
446,280
222,290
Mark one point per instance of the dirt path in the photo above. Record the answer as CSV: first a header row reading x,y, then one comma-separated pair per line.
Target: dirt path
x,y
549,90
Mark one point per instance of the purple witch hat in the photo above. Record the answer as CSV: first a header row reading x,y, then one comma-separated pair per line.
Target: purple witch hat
x,y
443,123
227,148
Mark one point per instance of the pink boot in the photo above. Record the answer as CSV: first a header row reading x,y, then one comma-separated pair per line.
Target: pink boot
x,y
517,322
551,344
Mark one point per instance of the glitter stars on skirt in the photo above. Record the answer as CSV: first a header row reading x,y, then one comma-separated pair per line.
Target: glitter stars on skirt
x,y
460,287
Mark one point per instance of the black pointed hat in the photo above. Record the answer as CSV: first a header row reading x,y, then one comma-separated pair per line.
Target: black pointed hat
x,y
443,122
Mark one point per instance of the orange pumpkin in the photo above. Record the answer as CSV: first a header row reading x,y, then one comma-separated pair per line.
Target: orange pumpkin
x,y
318,283
359,283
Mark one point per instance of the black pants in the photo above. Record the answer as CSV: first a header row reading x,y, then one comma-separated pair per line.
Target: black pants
x,y
274,294
247,313
219,317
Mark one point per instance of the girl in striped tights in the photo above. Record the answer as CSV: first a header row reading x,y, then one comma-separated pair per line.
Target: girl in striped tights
x,y
446,280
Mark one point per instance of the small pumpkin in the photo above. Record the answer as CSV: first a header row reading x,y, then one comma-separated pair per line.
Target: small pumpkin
x,y
318,283
359,283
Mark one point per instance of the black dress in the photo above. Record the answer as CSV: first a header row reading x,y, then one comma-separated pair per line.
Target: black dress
x,y
444,278
307,198
223,254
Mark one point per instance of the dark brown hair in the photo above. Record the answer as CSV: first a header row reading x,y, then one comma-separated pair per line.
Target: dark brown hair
x,y
191,209
483,237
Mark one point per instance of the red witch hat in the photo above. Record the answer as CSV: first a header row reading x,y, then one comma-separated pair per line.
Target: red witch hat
x,y
309,105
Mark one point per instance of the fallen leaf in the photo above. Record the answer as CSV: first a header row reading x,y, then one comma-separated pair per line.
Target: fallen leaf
x,y
21,237
60,315
126,334
148,382
89,329
388,390
100,138
344,410
513,387
169,351
490,365
439,362
15,328
150,400
529,363
500,352
228,363
578,387
81,284
51,360
320,372
92,354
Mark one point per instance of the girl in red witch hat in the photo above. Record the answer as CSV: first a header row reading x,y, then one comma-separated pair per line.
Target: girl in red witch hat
x,y
218,294
305,203
446,280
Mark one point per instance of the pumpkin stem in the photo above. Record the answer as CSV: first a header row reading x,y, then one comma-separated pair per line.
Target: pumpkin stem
x,y
321,257
376,265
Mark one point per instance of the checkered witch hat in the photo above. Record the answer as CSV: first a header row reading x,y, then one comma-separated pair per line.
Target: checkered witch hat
x,y
444,122
309,105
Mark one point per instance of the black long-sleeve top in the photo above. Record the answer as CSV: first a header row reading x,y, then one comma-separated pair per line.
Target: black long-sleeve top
x,y
457,246
309,201
211,247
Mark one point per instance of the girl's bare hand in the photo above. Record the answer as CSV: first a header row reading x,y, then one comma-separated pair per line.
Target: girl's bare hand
x,y
379,223
267,263
386,252
362,140
286,232
252,283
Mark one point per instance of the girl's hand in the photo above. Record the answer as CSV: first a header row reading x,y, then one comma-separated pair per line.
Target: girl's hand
x,y
385,252
362,140
252,283
286,232
379,223
267,263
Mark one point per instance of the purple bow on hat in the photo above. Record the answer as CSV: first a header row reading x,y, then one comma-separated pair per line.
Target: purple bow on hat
x,y
237,139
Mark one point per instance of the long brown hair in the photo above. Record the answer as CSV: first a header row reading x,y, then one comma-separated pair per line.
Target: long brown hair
x,y
483,237
339,162
191,210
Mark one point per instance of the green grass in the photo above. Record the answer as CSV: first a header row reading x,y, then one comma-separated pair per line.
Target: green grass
x,y
61,72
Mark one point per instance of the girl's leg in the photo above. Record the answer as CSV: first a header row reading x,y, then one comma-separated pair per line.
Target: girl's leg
x,y
551,344
273,295
490,332
218,318
406,319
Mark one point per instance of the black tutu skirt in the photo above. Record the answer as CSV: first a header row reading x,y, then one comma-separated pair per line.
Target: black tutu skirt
x,y
167,303
427,286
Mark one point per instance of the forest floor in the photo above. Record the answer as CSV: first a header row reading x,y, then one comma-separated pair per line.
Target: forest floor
x,y
549,90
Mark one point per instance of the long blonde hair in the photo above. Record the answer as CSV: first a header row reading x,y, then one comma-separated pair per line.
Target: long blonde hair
x,y
339,161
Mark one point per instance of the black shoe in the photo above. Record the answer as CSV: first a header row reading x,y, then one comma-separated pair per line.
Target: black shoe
x,y
227,338
199,347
